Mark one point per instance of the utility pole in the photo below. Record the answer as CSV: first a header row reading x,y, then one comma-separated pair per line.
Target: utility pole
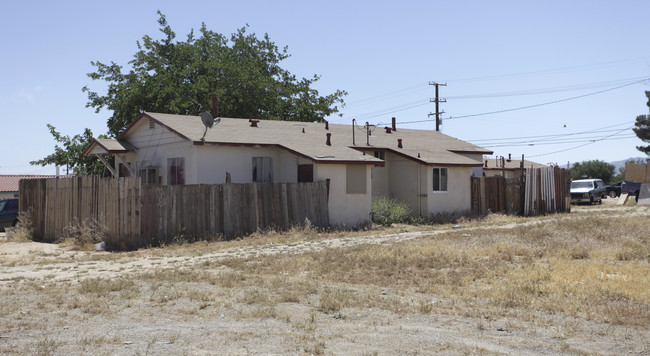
x,y
437,100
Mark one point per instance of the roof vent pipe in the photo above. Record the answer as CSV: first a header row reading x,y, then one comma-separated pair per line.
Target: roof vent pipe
x,y
388,129
486,163
214,105
253,122
328,142
509,157
327,125
399,143
394,127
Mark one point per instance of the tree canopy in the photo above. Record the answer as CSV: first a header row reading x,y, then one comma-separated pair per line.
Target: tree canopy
x,y
178,77
642,128
593,169
70,154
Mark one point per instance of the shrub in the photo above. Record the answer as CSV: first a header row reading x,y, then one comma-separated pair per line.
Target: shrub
x,y
23,230
386,211
85,234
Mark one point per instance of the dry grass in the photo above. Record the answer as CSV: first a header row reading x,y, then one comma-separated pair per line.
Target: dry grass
x,y
575,283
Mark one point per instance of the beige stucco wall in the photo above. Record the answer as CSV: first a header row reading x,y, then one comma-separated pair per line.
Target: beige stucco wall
x,y
344,209
379,176
407,183
457,198
213,162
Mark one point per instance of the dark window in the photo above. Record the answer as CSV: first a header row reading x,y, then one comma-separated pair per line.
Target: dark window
x,y
149,175
12,204
380,154
305,173
175,171
262,169
440,179
124,172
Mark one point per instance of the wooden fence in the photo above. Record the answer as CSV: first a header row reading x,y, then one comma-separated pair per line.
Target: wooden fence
x,y
133,216
170,212
638,172
537,191
59,204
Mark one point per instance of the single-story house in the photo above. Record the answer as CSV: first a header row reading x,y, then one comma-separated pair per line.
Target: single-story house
x,y
9,183
501,166
427,169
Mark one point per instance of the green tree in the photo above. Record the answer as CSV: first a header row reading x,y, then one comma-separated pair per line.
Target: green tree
x,y
593,169
70,154
177,77
642,128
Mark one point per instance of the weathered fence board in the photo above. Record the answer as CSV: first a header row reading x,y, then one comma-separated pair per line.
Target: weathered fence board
x,y
199,211
543,190
133,215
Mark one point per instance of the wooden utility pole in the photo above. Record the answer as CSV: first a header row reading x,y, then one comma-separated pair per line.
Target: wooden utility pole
x,y
437,100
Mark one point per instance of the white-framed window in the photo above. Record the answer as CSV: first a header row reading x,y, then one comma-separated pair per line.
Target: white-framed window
x,y
355,176
149,175
262,169
175,171
440,177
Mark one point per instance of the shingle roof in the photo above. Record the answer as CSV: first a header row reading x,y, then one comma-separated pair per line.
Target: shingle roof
x,y
309,139
109,146
9,183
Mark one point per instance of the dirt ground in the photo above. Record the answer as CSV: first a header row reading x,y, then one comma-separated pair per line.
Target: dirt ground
x,y
57,300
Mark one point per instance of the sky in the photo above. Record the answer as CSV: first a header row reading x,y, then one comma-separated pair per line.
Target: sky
x,y
557,81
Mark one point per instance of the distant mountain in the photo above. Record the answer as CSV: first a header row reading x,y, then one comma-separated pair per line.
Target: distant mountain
x,y
621,164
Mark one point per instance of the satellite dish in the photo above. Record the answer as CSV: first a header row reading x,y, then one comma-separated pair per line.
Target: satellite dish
x,y
208,121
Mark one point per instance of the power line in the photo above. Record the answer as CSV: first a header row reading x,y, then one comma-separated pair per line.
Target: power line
x,y
544,90
586,144
418,103
549,102
601,129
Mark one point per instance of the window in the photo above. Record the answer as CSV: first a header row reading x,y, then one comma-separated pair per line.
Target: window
x,y
440,179
355,179
149,175
124,170
305,173
175,171
262,169
380,155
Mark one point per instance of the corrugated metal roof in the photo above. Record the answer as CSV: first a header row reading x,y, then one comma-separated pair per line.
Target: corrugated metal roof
x,y
309,139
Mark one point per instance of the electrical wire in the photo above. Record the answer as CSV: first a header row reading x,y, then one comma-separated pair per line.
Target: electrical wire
x,y
548,102
575,147
601,129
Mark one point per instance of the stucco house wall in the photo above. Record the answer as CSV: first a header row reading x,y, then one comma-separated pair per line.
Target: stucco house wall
x,y
345,209
457,198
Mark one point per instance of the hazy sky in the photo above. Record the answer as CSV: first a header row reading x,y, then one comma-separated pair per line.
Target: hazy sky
x,y
578,69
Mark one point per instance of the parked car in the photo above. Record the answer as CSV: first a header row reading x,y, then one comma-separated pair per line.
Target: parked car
x,y
8,213
616,189
588,191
